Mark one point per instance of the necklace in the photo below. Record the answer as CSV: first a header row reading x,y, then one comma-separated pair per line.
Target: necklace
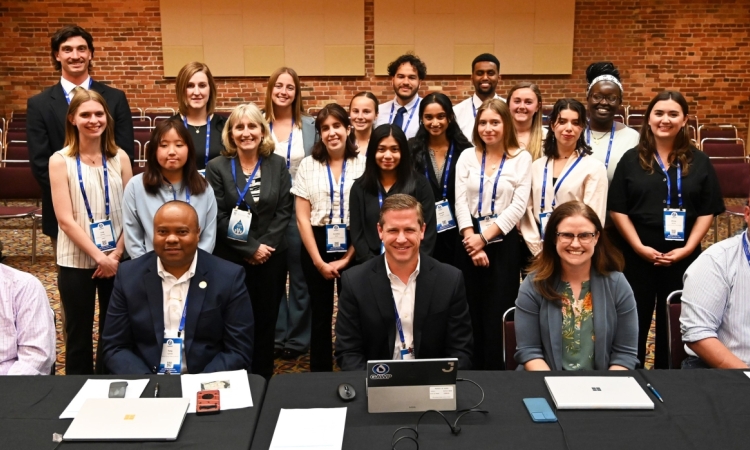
x,y
197,128
92,160
597,139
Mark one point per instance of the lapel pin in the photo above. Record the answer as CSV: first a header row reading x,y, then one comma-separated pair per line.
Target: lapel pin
x,y
202,285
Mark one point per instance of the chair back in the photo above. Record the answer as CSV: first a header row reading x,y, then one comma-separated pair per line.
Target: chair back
x,y
509,339
18,183
724,152
734,178
676,347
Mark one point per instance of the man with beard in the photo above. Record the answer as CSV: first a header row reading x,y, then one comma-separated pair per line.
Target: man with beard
x,y
485,73
407,72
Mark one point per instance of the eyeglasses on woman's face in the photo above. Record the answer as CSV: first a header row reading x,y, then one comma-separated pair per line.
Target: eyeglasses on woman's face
x,y
583,238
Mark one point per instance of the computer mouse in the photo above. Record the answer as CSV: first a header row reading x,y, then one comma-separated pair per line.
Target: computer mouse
x,y
346,392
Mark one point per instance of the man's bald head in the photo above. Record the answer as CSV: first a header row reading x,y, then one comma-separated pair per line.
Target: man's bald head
x,y
176,235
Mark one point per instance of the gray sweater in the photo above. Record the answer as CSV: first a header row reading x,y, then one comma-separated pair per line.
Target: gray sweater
x,y
538,323
139,208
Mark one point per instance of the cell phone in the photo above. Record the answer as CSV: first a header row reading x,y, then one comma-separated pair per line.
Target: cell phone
x,y
539,410
117,389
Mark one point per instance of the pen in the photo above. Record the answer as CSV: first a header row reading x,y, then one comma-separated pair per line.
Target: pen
x,y
651,388
156,390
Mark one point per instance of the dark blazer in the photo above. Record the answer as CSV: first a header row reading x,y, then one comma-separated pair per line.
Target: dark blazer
x,y
539,324
271,214
45,133
218,329
366,324
364,213
309,135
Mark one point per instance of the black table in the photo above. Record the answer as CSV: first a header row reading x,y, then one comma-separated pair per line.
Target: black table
x,y
702,409
30,408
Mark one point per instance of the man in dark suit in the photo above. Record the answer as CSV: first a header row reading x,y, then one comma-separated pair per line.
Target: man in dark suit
x,y
72,52
178,297
427,297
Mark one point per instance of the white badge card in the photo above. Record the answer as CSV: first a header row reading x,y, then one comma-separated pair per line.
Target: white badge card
x,y
543,219
239,225
407,354
674,225
444,216
103,234
171,356
202,172
336,238
486,222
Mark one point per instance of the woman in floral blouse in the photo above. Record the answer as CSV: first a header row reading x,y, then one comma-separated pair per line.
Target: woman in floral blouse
x,y
575,310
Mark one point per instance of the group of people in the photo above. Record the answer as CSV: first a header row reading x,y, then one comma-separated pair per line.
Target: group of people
x,y
424,217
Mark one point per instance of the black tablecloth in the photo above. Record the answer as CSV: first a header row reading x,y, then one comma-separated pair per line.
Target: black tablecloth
x,y
30,407
702,409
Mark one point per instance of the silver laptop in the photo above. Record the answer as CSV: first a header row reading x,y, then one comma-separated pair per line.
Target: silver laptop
x,y
597,393
128,419
411,385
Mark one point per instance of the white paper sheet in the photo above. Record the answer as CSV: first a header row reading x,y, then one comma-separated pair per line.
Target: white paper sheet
x,y
748,374
235,396
318,429
100,389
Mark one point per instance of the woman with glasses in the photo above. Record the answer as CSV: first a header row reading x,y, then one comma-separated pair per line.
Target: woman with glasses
x,y
575,310
608,139
566,172
436,148
662,199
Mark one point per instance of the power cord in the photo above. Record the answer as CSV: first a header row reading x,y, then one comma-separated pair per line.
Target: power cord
x,y
455,429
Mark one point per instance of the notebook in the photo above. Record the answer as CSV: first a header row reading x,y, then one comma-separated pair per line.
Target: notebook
x,y
574,392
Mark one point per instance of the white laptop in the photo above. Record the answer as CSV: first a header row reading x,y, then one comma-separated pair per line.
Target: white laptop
x,y
597,393
128,419
411,385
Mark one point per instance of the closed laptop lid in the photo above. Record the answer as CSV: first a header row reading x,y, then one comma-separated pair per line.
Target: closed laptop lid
x,y
414,372
573,392
128,419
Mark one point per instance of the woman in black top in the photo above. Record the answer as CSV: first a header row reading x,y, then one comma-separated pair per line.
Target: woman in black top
x,y
250,177
389,170
435,149
662,199
196,100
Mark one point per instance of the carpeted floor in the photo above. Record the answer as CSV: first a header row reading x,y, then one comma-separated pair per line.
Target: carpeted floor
x,y
16,238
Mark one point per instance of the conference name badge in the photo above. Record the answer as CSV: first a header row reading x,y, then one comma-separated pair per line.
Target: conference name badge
x,y
674,225
444,216
202,172
543,219
103,234
239,225
171,356
336,238
407,353
485,223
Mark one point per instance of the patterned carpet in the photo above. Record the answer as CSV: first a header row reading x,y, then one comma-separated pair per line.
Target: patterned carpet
x,y
15,236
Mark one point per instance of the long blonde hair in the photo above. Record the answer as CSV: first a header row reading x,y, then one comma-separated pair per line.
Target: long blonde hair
x,y
72,140
535,139
251,112
296,103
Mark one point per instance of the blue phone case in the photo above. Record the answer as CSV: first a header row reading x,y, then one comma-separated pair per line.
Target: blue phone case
x,y
539,410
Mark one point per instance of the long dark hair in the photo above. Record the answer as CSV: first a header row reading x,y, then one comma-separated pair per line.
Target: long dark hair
x,y
547,267
319,150
419,144
405,174
550,144
647,144
152,177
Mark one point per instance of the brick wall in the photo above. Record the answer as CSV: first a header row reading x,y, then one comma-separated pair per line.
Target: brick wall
x,y
700,47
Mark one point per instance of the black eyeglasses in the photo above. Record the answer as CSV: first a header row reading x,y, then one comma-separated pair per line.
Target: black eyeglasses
x,y
583,238
611,98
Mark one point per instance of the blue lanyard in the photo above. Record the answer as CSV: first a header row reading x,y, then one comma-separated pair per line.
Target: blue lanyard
x,y
182,320
242,194
559,182
609,148
398,323
745,246
446,172
83,190
416,106
330,182
67,94
669,182
174,192
473,108
494,188
288,145
208,135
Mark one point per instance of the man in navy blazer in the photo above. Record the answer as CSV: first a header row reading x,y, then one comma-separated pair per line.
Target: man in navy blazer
x,y
149,298
72,49
429,296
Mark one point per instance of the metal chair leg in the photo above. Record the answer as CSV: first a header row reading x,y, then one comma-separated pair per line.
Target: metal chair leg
x,y
33,239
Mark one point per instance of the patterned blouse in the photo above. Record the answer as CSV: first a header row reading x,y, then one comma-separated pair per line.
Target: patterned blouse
x,y
577,328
